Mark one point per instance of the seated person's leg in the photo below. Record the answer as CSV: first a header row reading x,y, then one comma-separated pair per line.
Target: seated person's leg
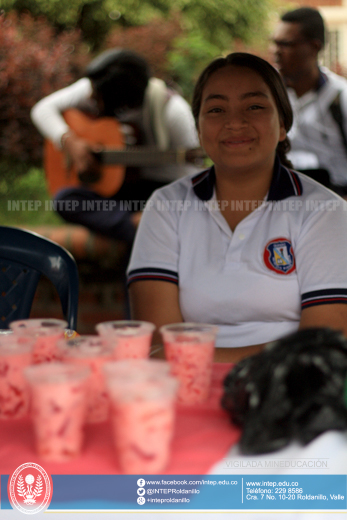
x,y
100,215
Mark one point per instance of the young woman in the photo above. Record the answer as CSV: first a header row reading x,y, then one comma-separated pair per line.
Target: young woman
x,y
249,244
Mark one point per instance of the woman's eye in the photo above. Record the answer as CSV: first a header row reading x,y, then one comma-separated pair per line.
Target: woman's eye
x,y
214,110
256,107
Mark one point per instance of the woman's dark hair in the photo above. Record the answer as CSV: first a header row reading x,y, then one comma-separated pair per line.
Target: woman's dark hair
x,y
120,77
271,78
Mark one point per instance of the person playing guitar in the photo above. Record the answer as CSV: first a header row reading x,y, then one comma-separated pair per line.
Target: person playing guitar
x,y
118,94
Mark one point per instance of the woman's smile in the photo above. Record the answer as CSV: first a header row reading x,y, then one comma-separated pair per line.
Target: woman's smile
x,y
237,141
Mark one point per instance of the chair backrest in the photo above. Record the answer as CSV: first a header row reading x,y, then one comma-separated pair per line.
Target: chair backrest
x,y
24,257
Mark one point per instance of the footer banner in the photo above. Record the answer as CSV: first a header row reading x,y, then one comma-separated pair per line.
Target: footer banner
x,y
187,492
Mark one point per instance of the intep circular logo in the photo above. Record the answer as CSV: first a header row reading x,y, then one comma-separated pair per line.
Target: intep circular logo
x,y
30,489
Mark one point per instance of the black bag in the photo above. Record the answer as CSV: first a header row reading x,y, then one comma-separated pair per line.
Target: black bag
x,y
294,389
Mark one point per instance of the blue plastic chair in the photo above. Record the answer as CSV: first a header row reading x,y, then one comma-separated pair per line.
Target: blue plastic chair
x,y
24,257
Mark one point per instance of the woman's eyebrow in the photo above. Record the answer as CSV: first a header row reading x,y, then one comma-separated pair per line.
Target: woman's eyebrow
x,y
215,96
257,93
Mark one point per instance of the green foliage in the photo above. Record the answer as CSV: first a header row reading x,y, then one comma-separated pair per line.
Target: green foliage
x,y
58,12
190,54
217,21
95,18
24,199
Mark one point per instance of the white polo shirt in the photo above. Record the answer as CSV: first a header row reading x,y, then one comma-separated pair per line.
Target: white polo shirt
x,y
289,253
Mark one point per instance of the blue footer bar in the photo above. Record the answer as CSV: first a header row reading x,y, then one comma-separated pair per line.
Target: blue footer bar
x,y
187,492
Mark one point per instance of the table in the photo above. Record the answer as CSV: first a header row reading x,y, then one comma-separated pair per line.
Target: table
x,y
204,441
203,435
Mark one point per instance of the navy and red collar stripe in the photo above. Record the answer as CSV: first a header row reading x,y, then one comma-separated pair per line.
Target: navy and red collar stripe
x,y
285,183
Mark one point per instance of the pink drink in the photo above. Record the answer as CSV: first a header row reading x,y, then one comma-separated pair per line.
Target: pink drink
x,y
46,331
143,431
15,356
136,368
133,338
93,352
143,415
189,348
58,393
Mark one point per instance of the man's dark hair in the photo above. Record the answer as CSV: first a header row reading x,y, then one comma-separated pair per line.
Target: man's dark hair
x,y
120,77
310,20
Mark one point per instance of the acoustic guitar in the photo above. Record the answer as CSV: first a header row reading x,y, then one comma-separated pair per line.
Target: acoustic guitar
x,y
112,159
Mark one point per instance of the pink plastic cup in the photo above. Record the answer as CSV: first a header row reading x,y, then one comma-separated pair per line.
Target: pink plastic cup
x,y
58,408
15,356
132,338
143,416
46,332
136,369
92,351
189,348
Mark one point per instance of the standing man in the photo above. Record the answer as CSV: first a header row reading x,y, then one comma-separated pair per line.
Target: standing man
x,y
117,84
318,98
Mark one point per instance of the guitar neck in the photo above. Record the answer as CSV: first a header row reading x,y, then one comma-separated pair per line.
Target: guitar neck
x,y
145,156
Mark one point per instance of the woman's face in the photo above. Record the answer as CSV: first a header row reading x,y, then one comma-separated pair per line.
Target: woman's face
x,y
239,126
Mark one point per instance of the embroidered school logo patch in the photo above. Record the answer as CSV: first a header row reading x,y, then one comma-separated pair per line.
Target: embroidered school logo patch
x,y
279,256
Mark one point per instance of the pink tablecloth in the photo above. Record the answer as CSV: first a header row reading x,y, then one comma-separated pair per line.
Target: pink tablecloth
x,y
203,435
